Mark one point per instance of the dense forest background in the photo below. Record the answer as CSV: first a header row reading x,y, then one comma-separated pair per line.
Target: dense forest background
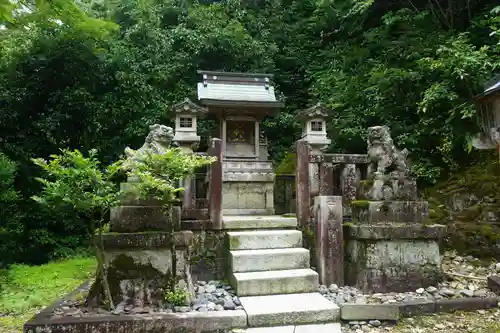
x,y
95,75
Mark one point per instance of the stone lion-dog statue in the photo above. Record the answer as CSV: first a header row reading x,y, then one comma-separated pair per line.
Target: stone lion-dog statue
x,y
157,141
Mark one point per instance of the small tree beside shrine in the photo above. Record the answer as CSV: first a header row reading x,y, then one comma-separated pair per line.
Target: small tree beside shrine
x,y
81,184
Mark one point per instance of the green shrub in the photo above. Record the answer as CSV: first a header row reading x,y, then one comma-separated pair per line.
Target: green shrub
x,y
11,226
177,297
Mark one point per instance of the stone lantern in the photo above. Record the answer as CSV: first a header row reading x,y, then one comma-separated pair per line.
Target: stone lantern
x,y
186,115
314,127
313,122
488,104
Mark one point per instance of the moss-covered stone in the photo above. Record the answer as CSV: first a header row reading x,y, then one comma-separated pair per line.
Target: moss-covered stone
x,y
209,255
360,203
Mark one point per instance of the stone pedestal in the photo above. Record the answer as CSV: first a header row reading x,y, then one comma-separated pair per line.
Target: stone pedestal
x,y
141,267
137,215
145,256
390,249
247,188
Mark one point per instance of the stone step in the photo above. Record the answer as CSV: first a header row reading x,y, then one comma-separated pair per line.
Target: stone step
x,y
264,239
291,309
268,259
314,328
288,281
258,222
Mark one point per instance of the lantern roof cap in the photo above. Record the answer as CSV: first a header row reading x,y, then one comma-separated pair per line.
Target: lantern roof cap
x,y
319,110
186,106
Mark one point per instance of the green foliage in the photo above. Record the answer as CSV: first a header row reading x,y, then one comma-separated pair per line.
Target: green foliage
x,y
19,14
7,172
177,297
413,76
75,80
77,182
159,174
24,289
287,164
10,217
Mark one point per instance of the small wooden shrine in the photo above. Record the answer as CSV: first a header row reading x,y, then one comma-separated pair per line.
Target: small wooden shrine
x,y
239,102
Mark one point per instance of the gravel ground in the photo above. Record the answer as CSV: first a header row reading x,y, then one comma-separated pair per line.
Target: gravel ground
x,y
456,284
210,296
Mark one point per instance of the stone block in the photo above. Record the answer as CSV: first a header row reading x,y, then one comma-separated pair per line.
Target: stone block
x,y
466,303
140,265
209,255
275,282
147,240
272,329
268,259
194,214
392,265
248,197
192,322
143,218
417,307
388,231
494,283
259,222
264,239
140,275
293,309
350,311
392,279
318,328
329,252
368,212
394,253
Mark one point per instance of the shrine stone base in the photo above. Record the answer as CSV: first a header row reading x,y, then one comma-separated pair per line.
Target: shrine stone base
x,y
141,265
390,249
248,188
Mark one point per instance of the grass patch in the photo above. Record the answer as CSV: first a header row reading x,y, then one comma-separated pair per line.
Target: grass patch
x,y
24,289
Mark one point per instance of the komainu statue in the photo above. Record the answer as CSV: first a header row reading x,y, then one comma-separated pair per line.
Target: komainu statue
x,y
158,141
388,168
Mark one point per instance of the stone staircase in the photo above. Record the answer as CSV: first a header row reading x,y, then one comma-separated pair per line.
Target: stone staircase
x,y
270,272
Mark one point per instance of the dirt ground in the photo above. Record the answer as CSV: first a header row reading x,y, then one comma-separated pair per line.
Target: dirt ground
x,y
481,321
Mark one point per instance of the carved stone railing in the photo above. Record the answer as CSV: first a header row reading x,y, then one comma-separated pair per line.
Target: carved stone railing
x,y
326,174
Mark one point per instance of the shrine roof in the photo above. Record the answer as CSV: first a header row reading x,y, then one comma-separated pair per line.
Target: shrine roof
x,y
245,89
491,87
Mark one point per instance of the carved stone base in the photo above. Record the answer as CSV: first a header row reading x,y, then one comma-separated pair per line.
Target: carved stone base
x,y
141,267
368,212
248,198
393,257
143,218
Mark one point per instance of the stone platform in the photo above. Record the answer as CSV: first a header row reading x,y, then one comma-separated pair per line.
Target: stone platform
x,y
390,248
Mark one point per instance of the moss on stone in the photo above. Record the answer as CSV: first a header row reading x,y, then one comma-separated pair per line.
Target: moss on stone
x,y
234,243
309,241
360,203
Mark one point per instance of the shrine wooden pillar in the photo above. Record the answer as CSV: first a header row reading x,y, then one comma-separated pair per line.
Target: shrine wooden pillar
x,y
303,190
